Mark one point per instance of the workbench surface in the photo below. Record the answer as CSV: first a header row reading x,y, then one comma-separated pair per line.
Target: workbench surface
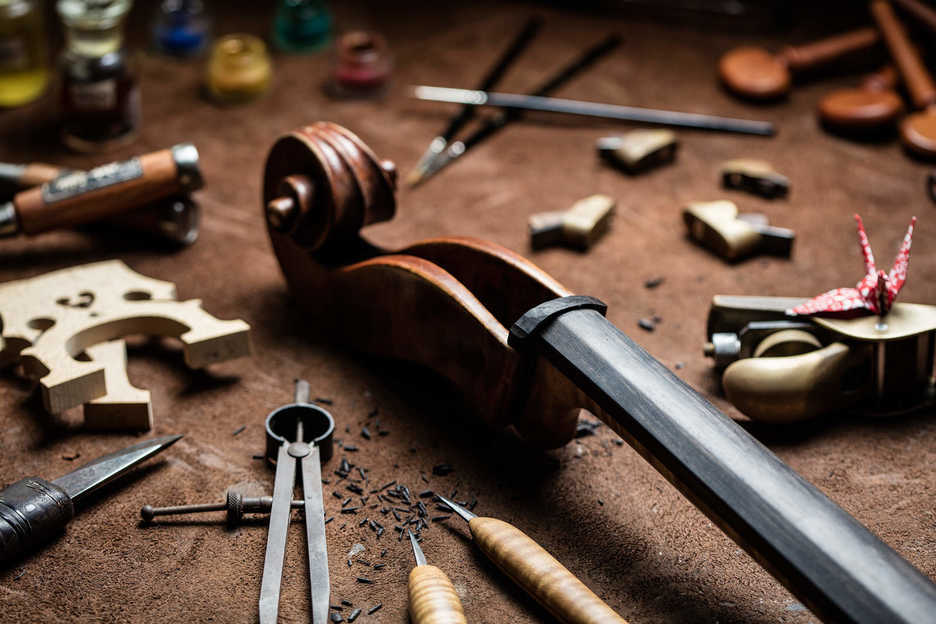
x,y
596,505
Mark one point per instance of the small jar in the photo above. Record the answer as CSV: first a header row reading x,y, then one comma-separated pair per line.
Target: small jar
x,y
181,28
24,71
100,92
362,64
302,25
239,69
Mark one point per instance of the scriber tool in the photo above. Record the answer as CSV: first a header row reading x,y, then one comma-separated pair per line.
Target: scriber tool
x,y
535,570
432,597
297,434
33,510
464,115
492,124
235,504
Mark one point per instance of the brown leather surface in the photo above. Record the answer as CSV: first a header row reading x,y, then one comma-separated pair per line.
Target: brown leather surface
x,y
599,508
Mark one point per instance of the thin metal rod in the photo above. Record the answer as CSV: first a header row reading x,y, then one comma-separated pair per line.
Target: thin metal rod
x,y
283,484
595,109
302,394
319,587
417,551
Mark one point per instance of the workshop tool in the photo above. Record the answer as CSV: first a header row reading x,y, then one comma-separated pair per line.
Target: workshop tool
x,y
432,597
531,567
578,227
50,320
872,106
716,225
594,109
33,510
234,503
298,433
85,196
446,303
174,219
917,130
755,73
467,112
638,150
493,124
754,176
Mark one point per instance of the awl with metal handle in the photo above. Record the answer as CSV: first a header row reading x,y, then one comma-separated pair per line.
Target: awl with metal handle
x,y
33,510
298,433
80,197
536,571
432,597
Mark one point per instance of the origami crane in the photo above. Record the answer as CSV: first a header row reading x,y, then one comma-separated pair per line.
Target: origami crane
x,y
876,292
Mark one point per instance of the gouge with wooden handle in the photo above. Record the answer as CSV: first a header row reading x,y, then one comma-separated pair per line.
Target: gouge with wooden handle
x,y
536,571
432,597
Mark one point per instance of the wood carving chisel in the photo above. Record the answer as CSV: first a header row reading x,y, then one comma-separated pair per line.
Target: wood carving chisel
x,y
33,510
536,571
80,197
432,597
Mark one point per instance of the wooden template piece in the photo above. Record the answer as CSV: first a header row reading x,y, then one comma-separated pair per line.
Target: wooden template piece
x,y
49,320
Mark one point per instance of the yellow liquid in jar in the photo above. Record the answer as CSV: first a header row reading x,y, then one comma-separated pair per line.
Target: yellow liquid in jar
x,y
22,87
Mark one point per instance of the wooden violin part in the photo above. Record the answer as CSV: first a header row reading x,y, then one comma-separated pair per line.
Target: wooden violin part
x,y
447,304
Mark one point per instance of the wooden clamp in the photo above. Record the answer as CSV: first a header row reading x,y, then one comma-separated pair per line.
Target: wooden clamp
x,y
50,321
579,226
717,226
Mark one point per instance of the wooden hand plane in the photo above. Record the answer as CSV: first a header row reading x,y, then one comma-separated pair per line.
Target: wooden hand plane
x,y
782,368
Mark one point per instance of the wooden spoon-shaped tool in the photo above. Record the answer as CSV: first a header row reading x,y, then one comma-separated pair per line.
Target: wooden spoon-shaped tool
x,y
871,106
754,73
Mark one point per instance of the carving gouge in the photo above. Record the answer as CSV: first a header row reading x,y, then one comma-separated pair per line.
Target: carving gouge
x,y
432,597
33,510
84,196
536,571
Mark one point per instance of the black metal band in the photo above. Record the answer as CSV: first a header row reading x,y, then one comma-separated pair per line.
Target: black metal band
x,y
535,319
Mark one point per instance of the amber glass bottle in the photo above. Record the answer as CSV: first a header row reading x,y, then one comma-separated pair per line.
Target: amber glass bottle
x,y
100,94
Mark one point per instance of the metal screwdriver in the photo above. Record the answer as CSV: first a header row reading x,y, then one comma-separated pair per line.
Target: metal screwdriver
x,y
33,510
234,503
536,571
432,597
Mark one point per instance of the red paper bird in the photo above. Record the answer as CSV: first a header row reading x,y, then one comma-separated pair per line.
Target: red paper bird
x,y
876,292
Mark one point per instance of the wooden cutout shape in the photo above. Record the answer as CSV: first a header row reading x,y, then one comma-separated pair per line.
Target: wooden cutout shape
x,y
49,320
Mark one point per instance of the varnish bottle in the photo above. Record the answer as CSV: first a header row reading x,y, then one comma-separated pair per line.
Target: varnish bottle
x,y
100,93
23,67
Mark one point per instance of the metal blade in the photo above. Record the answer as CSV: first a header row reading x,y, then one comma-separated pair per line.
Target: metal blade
x,y
461,511
82,481
417,551
315,535
283,484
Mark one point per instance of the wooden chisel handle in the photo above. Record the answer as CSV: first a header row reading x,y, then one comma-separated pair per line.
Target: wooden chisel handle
x,y
539,574
906,58
84,196
432,597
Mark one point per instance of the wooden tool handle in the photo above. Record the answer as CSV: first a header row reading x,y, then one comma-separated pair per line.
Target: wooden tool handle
x,y
538,572
924,14
81,197
799,58
919,83
432,597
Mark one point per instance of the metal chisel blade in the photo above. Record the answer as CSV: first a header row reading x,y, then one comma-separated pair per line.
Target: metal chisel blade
x,y
98,473
315,535
283,484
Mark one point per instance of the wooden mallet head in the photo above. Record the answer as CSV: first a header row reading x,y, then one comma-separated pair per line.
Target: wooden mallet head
x,y
871,106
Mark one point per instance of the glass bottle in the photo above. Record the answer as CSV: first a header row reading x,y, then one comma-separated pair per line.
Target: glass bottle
x,y
238,70
301,25
100,94
181,27
23,67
